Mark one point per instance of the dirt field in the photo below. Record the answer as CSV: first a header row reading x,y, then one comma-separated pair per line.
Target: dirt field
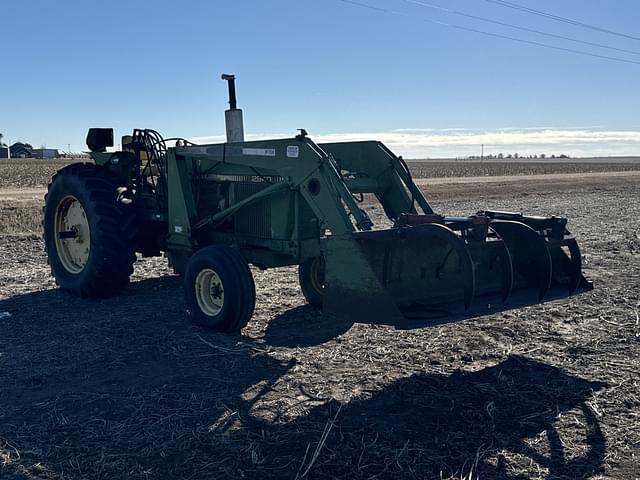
x,y
25,173
476,168
127,388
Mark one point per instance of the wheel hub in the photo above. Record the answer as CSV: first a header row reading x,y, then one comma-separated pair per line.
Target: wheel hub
x,y
209,292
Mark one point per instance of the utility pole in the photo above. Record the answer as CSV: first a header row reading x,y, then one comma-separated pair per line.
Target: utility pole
x,y
482,153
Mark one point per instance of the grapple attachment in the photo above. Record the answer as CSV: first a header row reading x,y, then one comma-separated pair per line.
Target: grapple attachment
x,y
431,267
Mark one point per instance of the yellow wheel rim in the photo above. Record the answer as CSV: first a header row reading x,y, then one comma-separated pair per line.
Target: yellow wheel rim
x,y
209,292
72,235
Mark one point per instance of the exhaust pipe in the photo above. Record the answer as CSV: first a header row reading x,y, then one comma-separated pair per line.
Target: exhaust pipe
x,y
233,116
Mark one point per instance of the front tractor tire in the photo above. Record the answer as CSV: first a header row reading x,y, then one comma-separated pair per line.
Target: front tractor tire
x,y
90,252
219,289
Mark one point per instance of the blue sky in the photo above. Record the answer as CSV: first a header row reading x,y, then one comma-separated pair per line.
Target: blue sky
x,y
337,69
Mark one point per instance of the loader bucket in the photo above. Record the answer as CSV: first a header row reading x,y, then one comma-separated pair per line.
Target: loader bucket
x,y
437,268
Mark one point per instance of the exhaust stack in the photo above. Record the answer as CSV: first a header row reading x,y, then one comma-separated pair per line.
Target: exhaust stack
x,y
233,116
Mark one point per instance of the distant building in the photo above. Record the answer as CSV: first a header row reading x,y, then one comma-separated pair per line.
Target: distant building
x,y
5,152
25,150
44,153
21,150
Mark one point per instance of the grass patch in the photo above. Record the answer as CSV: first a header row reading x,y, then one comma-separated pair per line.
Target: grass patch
x,y
21,218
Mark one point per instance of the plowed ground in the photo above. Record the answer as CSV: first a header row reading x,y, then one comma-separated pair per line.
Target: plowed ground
x,y
127,388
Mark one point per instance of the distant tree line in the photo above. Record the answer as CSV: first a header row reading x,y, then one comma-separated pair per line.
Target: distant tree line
x,y
515,156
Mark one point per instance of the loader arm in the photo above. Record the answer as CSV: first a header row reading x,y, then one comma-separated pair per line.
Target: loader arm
x,y
388,175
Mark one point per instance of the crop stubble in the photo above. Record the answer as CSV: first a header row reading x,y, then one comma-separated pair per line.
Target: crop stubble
x,y
125,388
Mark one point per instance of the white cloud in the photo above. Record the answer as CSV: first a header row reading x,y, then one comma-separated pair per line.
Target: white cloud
x,y
420,143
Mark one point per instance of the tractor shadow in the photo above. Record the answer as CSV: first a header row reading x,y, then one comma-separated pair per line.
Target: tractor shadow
x,y
502,422
122,386
125,388
304,326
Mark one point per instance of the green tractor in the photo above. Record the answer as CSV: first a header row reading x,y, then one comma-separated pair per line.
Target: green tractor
x,y
215,209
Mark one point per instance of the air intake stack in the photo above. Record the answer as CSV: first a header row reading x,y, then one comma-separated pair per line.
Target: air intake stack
x,y
233,116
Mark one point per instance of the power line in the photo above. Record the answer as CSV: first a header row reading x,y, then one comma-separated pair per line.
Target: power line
x,y
518,27
558,18
491,34
546,45
371,7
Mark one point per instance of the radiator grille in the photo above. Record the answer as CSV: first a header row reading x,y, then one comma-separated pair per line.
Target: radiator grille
x,y
255,219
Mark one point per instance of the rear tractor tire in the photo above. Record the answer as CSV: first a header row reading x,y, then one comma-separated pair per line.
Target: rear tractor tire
x,y
90,251
311,278
219,289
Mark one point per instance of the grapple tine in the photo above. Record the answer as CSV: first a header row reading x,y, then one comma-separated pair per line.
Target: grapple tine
x,y
566,260
576,262
507,268
567,269
529,254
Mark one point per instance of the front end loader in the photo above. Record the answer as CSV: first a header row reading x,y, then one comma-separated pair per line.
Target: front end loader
x,y
215,209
